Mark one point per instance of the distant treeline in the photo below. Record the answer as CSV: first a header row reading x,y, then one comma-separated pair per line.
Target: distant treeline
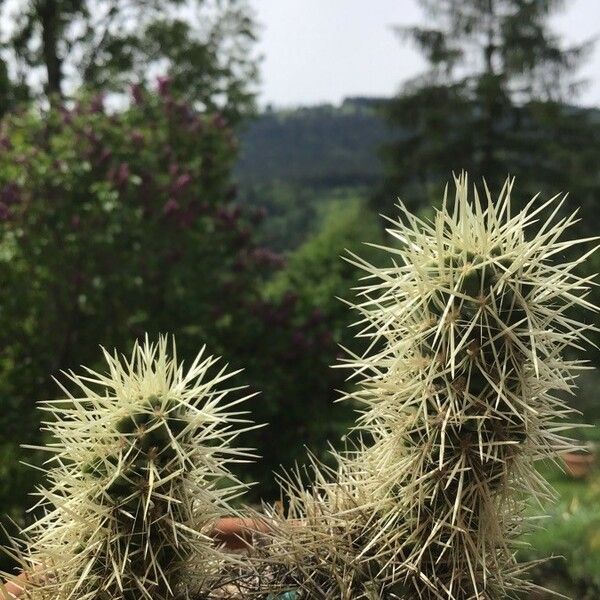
x,y
323,146
319,146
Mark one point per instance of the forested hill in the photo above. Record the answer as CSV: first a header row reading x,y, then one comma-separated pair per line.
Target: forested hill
x,y
318,146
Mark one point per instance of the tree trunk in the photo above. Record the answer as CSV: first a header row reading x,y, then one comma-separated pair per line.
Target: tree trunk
x,y
49,15
489,99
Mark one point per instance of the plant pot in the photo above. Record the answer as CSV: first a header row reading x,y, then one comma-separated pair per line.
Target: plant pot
x,y
579,463
236,533
13,589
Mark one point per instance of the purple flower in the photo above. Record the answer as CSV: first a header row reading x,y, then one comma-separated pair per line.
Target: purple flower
x,y
67,116
91,136
181,183
137,93
97,103
164,85
137,137
171,206
266,256
227,217
121,176
188,217
10,194
219,121
123,173
4,212
104,155
193,124
316,316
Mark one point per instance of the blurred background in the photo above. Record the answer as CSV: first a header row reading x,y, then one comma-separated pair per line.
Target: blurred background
x,y
198,167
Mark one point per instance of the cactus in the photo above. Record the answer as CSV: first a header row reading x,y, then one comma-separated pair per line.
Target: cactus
x,y
136,480
461,392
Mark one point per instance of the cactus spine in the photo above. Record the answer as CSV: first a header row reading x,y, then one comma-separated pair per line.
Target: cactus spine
x,y
136,480
459,390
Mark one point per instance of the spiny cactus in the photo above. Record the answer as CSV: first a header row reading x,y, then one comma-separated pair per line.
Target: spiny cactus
x,y
138,477
461,393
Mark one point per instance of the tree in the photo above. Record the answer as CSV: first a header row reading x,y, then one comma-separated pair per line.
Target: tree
x,y
205,46
11,92
494,67
494,101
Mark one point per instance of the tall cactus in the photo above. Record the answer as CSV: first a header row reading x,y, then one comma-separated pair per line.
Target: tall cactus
x,y
138,477
461,393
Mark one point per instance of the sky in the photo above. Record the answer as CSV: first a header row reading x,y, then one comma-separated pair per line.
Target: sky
x,y
318,51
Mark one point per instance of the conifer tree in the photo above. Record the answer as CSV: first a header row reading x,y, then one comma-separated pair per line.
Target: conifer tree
x,y
496,75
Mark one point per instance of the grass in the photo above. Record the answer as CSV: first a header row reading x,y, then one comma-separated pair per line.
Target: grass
x,y
570,534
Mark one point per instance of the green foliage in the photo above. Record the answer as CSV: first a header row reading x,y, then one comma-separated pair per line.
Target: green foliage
x,y
205,46
571,536
571,533
314,147
112,225
306,295
116,224
291,212
315,270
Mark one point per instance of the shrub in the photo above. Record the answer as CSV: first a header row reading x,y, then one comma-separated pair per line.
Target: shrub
x,y
112,225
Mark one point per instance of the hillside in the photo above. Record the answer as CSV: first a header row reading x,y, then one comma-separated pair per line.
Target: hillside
x,y
319,146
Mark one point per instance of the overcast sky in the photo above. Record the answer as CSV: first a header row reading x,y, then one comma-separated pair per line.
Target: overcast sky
x,y
323,50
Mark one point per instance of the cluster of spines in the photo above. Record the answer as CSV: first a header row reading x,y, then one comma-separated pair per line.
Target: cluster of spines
x,y
467,332
460,389
137,481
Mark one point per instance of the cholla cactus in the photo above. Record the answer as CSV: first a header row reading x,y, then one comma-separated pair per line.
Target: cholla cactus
x,y
459,389
138,478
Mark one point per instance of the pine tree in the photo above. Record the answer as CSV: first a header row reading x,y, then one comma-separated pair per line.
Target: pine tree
x,y
496,75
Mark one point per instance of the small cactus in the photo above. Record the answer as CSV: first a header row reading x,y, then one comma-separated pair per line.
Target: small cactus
x,y
461,393
136,480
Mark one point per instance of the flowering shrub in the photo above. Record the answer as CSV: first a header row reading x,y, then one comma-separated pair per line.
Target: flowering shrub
x,y
112,225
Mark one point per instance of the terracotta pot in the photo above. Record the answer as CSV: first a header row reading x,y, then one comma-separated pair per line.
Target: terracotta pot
x,y
234,533
579,463
13,589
